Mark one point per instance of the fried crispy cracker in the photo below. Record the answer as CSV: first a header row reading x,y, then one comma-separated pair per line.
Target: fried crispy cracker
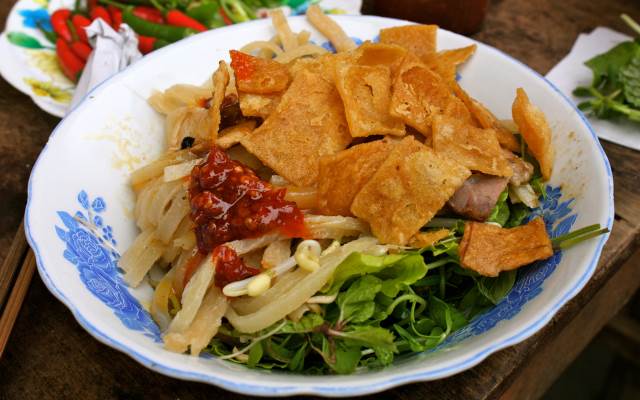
x,y
489,249
366,94
418,39
410,186
389,55
485,119
426,239
308,123
234,134
258,75
418,94
475,148
535,130
445,63
258,105
343,174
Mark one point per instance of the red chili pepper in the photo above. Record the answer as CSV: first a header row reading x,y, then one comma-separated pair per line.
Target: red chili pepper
x,y
70,63
149,14
80,22
225,17
59,23
178,18
146,44
101,12
116,17
91,4
81,49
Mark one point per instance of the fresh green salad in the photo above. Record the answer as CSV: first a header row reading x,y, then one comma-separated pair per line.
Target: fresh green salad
x,y
381,307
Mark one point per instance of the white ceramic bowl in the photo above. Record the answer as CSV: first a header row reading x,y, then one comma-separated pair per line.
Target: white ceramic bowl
x,y
83,172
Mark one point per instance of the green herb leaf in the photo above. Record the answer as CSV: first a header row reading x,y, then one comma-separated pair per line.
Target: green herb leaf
x,y
346,358
358,264
606,67
582,91
307,323
370,336
357,303
255,354
401,274
517,214
630,78
500,213
494,289
439,310
297,362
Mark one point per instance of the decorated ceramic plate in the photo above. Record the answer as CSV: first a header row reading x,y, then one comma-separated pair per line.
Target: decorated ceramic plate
x,y
79,217
28,59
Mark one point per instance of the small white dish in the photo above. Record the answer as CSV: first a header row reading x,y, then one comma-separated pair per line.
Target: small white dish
x,y
83,172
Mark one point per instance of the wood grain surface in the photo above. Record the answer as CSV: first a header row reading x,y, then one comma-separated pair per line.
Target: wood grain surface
x,y
49,356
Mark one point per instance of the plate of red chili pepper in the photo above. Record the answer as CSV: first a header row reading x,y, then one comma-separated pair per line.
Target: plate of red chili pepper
x,y
44,47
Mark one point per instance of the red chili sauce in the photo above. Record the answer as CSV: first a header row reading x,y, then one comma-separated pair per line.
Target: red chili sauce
x,y
229,202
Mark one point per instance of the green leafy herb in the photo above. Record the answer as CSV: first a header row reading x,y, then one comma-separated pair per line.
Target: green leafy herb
x,y
500,213
358,264
494,289
402,274
517,214
385,306
615,88
357,303
255,354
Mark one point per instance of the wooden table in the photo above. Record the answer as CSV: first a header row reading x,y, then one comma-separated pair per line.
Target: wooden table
x,y
50,357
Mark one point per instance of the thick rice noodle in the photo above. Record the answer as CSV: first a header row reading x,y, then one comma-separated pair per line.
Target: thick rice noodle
x,y
204,326
334,227
178,96
140,257
192,296
305,288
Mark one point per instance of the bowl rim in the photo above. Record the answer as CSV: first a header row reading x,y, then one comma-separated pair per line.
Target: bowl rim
x,y
382,383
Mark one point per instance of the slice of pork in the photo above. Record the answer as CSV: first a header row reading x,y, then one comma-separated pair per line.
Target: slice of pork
x,y
477,197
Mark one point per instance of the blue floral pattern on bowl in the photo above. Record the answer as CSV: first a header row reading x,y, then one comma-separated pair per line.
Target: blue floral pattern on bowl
x,y
91,248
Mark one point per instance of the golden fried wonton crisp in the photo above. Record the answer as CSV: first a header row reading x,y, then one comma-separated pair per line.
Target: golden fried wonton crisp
x,y
366,92
475,148
234,134
445,63
410,186
258,105
489,249
535,130
426,239
373,54
343,174
258,75
485,119
418,39
308,123
418,94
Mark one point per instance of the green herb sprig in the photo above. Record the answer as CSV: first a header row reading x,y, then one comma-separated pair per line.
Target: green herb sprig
x,y
615,89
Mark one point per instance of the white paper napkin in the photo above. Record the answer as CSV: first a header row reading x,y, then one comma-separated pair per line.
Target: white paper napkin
x,y
571,72
112,52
